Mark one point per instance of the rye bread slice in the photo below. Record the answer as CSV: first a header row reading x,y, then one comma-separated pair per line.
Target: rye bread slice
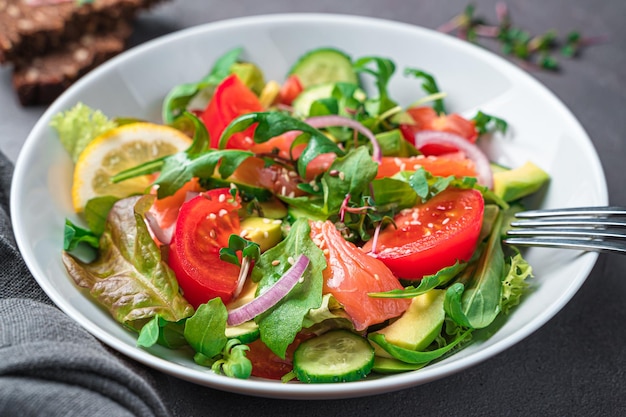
x,y
41,80
30,28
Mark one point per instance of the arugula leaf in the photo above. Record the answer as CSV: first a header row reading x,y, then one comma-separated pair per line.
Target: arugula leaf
x,y
426,284
96,212
205,330
382,69
430,86
177,99
271,124
348,175
280,324
195,161
486,123
413,356
128,277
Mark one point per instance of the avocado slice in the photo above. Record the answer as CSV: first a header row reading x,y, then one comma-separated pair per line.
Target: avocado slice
x,y
262,231
513,184
418,326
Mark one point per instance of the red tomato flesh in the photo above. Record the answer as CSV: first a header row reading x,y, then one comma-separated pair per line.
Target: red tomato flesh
x,y
433,235
230,100
204,225
291,89
351,274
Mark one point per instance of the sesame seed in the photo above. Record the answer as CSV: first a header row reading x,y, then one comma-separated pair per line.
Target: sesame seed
x,y
283,190
301,279
342,176
277,221
445,221
211,216
212,234
221,198
266,221
292,194
376,277
325,252
275,262
291,260
222,212
266,234
430,225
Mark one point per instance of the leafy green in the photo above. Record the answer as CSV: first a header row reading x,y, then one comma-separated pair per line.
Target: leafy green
x,y
128,277
426,284
280,324
205,330
477,304
236,243
382,69
514,283
162,332
74,235
96,212
414,356
78,126
429,85
234,362
486,123
272,124
196,161
176,101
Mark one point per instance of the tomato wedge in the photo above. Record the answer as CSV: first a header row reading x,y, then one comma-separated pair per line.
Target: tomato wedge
x,y
432,235
230,100
203,227
427,119
450,164
291,88
266,364
351,274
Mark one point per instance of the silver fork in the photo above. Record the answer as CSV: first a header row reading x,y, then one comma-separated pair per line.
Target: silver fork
x,y
597,229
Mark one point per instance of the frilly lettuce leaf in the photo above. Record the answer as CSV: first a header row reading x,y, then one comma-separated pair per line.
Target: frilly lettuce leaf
x,y
128,277
78,126
514,284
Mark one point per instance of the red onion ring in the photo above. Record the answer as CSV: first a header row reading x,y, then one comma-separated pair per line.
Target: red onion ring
x,y
271,296
334,120
473,152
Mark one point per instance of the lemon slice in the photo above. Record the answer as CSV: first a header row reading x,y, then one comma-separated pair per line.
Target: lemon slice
x,y
116,150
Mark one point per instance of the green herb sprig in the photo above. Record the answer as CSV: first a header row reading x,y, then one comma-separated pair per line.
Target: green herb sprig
x,y
532,51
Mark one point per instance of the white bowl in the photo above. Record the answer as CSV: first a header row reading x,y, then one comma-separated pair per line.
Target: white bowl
x,y
135,83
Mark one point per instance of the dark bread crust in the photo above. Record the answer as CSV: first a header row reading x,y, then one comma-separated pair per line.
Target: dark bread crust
x,y
42,79
28,31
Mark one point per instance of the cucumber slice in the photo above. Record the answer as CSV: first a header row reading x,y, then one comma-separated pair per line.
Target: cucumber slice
x,y
335,356
246,332
324,65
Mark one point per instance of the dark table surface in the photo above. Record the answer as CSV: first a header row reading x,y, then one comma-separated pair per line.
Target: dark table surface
x,y
576,363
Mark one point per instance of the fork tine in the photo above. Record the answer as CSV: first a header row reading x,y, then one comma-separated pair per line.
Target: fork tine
x,y
582,228
580,244
574,211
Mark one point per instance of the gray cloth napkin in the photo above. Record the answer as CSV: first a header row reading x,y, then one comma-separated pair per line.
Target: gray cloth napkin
x,y
50,366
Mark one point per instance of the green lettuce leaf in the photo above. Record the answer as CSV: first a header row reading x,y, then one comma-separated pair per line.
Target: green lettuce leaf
x,y
128,277
78,126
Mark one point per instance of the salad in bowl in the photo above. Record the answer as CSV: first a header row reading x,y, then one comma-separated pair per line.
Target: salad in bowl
x,y
308,228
